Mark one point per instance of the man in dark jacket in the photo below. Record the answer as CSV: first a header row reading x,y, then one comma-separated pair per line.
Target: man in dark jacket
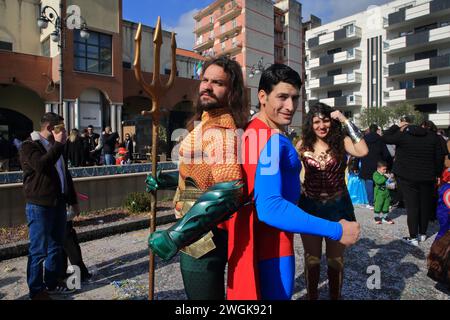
x,y
418,163
48,188
108,142
377,152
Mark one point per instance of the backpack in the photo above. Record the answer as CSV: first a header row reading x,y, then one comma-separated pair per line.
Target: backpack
x,y
438,260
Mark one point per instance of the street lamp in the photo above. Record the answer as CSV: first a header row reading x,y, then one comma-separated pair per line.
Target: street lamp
x,y
49,14
258,68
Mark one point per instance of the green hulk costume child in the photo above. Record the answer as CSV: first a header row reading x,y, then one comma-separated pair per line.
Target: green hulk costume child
x,y
381,194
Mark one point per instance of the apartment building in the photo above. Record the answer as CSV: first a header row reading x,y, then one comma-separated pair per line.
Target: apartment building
x,y
397,52
256,33
100,88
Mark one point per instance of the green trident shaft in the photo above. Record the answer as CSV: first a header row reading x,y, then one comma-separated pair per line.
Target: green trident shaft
x,y
155,90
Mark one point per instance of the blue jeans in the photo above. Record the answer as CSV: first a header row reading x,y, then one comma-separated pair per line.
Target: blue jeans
x,y
109,159
47,227
369,189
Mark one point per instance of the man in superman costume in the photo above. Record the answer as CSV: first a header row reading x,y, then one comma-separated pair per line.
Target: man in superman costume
x,y
261,261
260,240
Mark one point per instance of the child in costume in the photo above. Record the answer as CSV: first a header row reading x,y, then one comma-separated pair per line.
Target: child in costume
x,y
382,197
355,185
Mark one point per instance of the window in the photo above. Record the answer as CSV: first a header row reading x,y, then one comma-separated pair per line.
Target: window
x,y
211,19
407,84
94,54
8,46
284,36
223,46
350,29
45,47
425,54
284,52
333,51
426,108
431,81
334,94
334,72
234,23
426,27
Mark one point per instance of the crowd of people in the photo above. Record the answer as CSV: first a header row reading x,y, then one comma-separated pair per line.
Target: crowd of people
x,y
238,211
83,149
408,177
90,148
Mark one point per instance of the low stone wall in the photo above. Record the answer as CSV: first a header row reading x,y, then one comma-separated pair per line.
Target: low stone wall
x,y
104,192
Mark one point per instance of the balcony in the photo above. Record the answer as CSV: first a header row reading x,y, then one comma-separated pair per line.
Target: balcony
x,y
340,58
354,100
231,13
419,93
440,119
233,50
204,28
232,32
209,9
345,34
421,39
202,46
411,16
400,69
338,80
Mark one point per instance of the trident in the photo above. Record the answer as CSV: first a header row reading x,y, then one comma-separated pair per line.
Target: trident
x,y
155,90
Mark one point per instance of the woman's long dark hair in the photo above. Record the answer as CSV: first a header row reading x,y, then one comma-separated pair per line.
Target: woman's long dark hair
x,y
237,95
334,138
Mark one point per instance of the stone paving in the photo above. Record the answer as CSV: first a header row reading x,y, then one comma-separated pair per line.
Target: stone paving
x,y
120,267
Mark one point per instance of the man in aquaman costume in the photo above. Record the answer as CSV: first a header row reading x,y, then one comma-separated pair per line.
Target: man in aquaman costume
x,y
209,187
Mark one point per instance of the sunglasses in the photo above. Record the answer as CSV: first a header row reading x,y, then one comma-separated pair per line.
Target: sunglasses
x,y
59,127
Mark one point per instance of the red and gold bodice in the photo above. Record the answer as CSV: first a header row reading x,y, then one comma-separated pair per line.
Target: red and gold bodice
x,y
324,176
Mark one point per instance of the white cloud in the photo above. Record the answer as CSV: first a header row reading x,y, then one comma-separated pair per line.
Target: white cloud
x,y
185,30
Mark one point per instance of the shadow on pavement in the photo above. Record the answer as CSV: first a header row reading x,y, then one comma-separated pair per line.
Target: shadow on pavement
x,y
367,253
8,281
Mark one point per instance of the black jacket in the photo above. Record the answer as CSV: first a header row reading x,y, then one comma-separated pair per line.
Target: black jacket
x,y
418,153
377,151
109,142
41,184
75,152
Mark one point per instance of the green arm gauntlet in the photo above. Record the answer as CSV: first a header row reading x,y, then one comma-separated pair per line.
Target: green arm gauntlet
x,y
164,180
217,204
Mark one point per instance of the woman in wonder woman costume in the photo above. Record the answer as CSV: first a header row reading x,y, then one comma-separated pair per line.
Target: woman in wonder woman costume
x,y
323,150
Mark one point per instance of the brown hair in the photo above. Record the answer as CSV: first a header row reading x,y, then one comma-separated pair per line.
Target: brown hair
x,y
334,138
237,97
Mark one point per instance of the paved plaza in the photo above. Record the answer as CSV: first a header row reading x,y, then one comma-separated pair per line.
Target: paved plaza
x,y
120,267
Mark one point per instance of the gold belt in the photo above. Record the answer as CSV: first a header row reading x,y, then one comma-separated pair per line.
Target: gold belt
x,y
183,201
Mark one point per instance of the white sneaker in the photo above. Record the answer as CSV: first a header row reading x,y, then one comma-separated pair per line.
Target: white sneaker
x,y
411,241
421,237
369,207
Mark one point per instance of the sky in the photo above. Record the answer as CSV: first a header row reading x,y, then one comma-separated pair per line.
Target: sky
x,y
176,15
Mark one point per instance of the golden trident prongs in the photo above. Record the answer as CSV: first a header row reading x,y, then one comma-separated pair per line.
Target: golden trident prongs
x,y
155,90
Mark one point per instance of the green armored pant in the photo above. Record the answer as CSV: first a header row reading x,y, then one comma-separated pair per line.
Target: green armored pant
x,y
382,202
204,278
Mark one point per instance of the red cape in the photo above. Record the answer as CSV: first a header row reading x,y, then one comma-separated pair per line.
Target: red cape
x,y
243,254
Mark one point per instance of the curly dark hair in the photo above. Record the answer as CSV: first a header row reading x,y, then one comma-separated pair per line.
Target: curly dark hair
x,y
335,137
237,95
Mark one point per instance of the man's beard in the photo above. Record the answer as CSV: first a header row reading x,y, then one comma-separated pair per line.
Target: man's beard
x,y
207,106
